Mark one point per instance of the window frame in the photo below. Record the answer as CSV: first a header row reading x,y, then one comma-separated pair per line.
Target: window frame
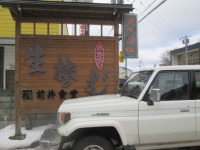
x,y
194,87
190,84
49,30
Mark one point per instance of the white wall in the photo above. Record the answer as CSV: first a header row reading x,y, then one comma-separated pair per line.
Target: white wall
x,y
122,72
175,60
9,60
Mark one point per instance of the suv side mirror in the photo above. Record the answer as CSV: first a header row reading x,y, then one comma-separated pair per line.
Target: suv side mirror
x,y
155,95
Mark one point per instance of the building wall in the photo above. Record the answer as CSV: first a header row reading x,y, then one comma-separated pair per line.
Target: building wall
x,y
174,60
7,99
7,25
9,60
7,31
193,58
122,72
7,107
181,59
193,53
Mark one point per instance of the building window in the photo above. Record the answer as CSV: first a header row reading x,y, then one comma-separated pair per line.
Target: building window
x,y
193,59
64,29
108,30
95,30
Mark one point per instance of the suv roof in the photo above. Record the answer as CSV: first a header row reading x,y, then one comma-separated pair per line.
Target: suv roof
x,y
179,67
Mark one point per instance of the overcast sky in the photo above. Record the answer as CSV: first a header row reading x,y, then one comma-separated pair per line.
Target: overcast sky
x,y
163,28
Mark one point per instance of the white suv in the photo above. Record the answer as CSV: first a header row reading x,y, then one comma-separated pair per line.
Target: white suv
x,y
156,108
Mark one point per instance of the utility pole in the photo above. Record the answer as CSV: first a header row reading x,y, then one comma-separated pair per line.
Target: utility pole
x,y
185,41
140,64
126,65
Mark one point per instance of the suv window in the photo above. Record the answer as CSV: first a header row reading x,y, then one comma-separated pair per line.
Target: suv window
x,y
136,83
172,85
197,85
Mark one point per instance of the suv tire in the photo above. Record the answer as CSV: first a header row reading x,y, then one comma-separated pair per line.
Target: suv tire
x,y
94,143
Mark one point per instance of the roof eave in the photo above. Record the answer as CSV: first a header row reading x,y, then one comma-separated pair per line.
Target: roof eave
x,y
25,9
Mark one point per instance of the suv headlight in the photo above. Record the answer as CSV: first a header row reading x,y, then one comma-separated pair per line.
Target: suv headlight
x,y
63,118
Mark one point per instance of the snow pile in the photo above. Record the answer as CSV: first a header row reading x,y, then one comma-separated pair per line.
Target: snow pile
x,y
32,135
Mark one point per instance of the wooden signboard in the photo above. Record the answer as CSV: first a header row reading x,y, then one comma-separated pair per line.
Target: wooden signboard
x,y
54,69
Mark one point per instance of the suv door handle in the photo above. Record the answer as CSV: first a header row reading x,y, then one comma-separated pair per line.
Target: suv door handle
x,y
184,110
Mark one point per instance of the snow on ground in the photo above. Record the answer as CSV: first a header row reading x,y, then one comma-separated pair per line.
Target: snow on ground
x,y
32,135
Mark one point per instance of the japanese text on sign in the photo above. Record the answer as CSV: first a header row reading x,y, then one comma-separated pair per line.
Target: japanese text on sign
x,y
130,45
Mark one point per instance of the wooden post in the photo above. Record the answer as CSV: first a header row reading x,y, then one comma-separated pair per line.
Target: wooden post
x,y
116,35
61,28
75,29
18,135
48,32
34,28
17,100
101,30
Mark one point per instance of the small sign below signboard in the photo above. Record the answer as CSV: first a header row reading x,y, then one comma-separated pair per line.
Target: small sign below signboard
x,y
129,31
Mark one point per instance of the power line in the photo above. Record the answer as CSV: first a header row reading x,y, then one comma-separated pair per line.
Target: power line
x,y
111,30
146,3
165,23
155,25
147,7
170,25
152,10
149,20
142,3
133,1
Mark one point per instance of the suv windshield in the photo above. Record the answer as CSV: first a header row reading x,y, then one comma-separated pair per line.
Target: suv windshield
x,y
135,84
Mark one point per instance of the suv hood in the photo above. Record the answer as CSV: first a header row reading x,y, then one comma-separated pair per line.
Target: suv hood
x,y
99,104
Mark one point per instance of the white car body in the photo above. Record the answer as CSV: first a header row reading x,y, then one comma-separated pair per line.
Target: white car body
x,y
102,111
164,124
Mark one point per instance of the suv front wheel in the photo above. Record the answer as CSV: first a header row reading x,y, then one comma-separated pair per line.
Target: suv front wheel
x,y
93,143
